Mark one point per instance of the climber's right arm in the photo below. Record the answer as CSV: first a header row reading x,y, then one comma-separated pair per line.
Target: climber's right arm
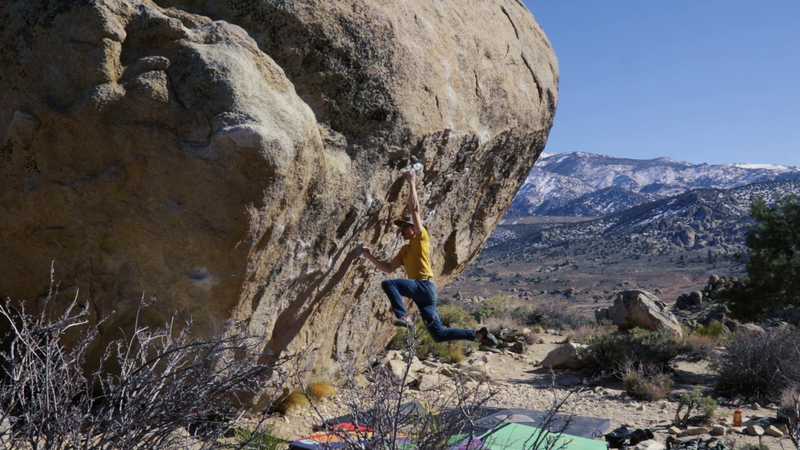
x,y
385,266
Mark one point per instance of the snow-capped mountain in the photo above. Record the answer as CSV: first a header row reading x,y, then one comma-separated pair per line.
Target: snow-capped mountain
x,y
701,218
586,184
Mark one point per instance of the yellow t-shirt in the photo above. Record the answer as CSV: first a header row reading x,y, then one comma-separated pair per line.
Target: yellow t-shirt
x,y
416,257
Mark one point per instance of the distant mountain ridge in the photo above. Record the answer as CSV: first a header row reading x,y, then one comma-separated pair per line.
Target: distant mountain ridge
x,y
591,185
698,219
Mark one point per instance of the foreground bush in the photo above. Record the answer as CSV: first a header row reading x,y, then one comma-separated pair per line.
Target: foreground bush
x,y
558,314
584,334
441,417
452,317
715,329
451,352
167,390
491,307
698,346
646,382
611,353
456,317
758,364
694,400
790,412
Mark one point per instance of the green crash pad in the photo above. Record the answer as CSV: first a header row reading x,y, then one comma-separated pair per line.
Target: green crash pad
x,y
516,436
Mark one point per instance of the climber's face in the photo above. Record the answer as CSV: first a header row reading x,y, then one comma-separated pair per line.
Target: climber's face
x,y
407,231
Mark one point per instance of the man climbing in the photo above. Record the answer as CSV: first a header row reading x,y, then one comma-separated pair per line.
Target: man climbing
x,y
419,287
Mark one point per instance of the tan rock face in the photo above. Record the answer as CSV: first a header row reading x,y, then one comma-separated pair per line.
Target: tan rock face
x,y
140,147
635,308
564,356
230,171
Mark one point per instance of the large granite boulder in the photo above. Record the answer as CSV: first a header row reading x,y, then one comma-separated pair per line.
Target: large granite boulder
x,y
562,357
635,308
226,157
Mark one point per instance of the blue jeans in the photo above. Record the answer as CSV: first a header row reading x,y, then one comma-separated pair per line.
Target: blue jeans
x,y
424,295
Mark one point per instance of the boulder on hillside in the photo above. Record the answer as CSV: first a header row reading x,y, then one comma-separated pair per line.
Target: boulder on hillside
x,y
685,237
690,300
636,308
748,328
563,356
230,167
718,313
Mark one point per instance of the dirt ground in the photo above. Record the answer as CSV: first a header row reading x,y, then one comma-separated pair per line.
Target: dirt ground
x,y
519,382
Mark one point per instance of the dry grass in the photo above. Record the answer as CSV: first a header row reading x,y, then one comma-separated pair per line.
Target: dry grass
x,y
321,391
532,338
646,382
293,402
698,346
586,333
502,322
455,354
559,314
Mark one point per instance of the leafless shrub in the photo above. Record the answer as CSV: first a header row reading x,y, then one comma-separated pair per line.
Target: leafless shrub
x,y
41,379
557,420
790,411
168,390
759,364
385,416
553,425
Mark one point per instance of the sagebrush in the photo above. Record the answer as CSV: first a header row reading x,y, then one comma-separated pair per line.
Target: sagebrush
x,y
646,382
558,314
690,401
167,390
610,354
759,364
451,352
697,346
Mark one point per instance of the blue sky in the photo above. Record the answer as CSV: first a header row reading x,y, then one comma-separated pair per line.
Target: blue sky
x,y
703,81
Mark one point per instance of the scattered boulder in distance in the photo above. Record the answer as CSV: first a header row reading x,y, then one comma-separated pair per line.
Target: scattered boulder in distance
x,y
637,308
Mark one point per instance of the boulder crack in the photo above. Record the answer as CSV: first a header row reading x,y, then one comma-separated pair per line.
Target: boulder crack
x,y
516,32
533,74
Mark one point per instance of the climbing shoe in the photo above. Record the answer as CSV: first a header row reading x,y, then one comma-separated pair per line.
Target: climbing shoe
x,y
487,338
401,323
